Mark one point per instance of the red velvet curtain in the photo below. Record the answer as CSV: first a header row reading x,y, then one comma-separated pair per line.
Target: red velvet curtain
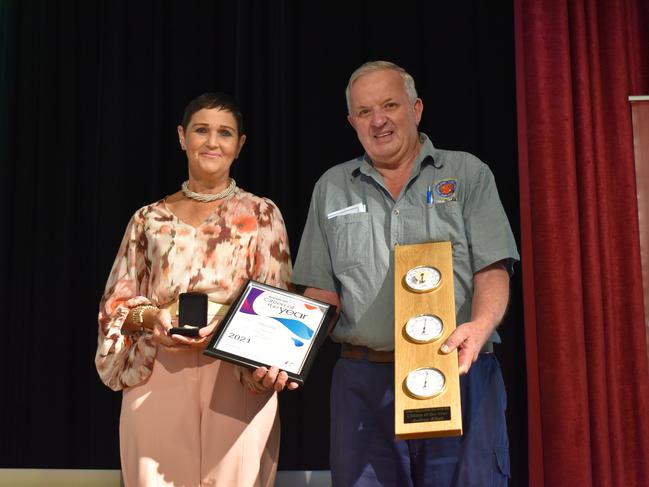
x,y
588,377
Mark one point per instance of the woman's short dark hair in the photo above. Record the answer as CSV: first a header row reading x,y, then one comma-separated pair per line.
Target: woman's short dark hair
x,y
222,101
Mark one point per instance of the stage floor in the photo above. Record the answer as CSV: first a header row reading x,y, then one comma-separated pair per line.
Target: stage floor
x,y
28,477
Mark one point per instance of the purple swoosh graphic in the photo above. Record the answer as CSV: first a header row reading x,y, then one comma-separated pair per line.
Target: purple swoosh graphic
x,y
246,307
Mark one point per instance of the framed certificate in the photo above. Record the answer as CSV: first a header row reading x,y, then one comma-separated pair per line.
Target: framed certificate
x,y
269,326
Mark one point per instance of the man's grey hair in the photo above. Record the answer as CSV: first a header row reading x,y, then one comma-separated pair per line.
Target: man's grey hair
x,y
372,66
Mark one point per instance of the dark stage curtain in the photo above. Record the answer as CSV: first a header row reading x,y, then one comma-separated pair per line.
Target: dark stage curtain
x,y
577,63
91,94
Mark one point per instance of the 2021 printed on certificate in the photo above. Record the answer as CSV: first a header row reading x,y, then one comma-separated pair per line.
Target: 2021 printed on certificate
x,y
269,326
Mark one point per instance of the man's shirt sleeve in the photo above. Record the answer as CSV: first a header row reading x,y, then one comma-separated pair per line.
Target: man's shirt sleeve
x,y
313,263
487,228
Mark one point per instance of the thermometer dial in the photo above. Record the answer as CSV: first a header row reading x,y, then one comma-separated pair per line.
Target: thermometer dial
x,y
424,328
425,382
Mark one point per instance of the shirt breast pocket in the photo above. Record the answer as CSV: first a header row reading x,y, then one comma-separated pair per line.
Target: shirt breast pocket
x,y
447,220
440,222
349,241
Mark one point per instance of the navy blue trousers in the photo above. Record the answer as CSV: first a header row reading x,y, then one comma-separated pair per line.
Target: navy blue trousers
x,y
365,453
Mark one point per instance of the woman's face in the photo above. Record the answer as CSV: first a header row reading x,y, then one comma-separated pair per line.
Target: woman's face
x,y
212,142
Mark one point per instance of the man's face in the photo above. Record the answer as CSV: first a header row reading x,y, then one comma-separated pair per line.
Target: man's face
x,y
384,120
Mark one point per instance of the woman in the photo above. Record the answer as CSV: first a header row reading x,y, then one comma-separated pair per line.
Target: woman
x,y
188,419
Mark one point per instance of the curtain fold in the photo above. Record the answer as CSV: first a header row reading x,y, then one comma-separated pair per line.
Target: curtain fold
x,y
588,380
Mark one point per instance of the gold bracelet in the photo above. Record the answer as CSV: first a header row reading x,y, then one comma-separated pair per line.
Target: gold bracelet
x,y
138,314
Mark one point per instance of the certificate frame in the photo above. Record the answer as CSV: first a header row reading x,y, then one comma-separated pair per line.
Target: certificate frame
x,y
268,326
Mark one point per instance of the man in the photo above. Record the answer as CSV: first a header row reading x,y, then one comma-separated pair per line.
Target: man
x,y
346,258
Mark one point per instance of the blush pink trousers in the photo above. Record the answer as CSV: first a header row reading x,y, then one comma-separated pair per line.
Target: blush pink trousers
x,y
193,424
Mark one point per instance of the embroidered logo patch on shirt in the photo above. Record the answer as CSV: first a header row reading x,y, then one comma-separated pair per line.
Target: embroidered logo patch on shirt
x,y
444,190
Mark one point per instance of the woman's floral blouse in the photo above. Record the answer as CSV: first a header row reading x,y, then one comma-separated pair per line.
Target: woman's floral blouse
x,y
161,257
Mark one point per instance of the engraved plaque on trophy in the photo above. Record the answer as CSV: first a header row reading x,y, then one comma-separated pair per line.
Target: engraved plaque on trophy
x,y
426,381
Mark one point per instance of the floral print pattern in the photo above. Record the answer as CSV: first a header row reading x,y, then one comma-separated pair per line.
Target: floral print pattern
x,y
160,257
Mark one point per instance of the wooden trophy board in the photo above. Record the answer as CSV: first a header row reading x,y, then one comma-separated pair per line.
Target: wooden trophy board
x,y
426,381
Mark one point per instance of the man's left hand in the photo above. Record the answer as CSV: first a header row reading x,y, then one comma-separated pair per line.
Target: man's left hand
x,y
490,296
468,339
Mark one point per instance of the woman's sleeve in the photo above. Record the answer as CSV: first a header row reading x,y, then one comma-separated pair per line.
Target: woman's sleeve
x,y
125,360
272,256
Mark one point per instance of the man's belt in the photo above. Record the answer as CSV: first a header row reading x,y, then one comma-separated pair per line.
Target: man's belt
x,y
364,353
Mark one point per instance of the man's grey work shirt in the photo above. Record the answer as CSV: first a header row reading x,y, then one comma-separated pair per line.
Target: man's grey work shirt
x,y
353,254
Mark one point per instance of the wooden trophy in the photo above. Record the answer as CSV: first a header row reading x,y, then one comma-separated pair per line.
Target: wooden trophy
x,y
426,381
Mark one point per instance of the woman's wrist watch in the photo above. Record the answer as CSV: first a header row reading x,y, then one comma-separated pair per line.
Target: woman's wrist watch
x,y
138,315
